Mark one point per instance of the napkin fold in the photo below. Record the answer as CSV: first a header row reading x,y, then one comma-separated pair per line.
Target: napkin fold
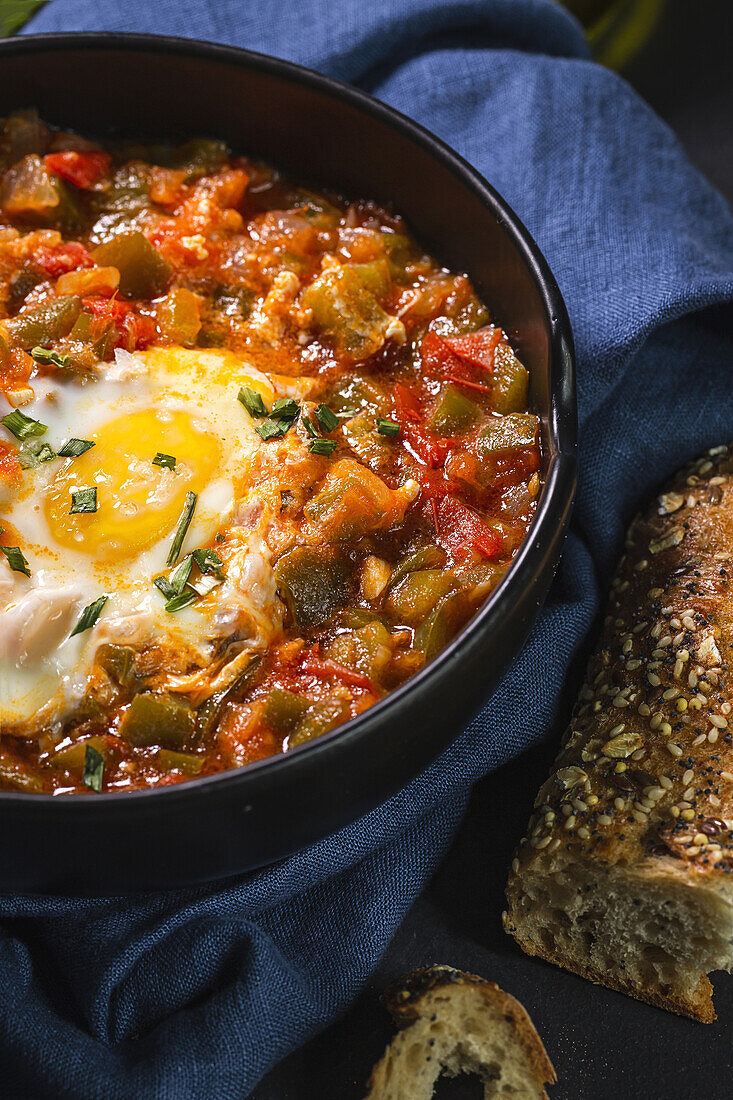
x,y
200,992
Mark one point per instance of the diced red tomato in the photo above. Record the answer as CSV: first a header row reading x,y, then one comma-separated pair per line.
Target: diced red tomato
x,y
433,483
459,359
63,259
461,531
323,666
429,447
9,465
477,348
134,331
81,169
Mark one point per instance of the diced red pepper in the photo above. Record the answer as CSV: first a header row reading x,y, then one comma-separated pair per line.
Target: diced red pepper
x,y
112,309
81,169
59,261
458,359
461,531
433,483
324,666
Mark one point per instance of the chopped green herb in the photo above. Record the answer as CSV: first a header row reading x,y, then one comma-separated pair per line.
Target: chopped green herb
x,y
284,413
209,562
22,426
285,409
167,461
34,452
89,616
309,427
327,419
183,599
93,774
16,561
50,358
84,500
73,447
324,447
165,587
252,401
181,575
184,523
388,427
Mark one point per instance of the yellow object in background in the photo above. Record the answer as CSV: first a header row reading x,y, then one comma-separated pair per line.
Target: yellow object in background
x,y
617,29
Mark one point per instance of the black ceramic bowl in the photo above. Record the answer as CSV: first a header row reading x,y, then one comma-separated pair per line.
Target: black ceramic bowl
x,y
319,130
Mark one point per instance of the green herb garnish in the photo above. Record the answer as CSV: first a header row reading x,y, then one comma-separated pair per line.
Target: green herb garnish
x,y
284,413
73,447
252,401
84,500
22,426
184,523
34,452
16,561
181,575
93,774
165,587
167,461
285,409
209,562
389,428
327,419
324,447
89,616
183,599
50,358
309,427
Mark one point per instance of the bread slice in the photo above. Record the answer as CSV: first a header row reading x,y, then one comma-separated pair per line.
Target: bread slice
x,y
458,1023
625,875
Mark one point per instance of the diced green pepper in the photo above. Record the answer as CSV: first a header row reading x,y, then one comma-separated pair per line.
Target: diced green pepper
x,y
200,157
362,436
508,432
284,709
319,719
121,203
72,756
187,762
344,308
350,395
510,381
454,411
441,624
417,594
158,720
178,317
210,711
375,276
44,324
32,193
427,557
143,271
367,650
16,775
118,661
314,583
88,330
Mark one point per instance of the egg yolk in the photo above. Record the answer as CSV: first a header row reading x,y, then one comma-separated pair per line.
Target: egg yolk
x,y
138,503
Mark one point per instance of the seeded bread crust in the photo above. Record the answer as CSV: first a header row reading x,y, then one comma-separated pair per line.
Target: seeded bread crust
x,y
437,1008
624,876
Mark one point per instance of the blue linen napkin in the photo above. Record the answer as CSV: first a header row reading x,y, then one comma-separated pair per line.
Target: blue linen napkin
x,y
199,992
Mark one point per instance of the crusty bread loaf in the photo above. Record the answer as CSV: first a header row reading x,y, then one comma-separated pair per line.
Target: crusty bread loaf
x,y
458,1023
625,873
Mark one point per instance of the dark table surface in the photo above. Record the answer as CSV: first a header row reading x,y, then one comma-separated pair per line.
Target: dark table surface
x,y
602,1044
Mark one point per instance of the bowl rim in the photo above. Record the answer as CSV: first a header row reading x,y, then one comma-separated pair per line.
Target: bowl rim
x,y
559,484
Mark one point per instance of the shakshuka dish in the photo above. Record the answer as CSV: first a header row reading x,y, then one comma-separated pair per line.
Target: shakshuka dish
x,y
260,458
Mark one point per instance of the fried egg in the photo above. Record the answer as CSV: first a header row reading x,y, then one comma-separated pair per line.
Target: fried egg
x,y
170,401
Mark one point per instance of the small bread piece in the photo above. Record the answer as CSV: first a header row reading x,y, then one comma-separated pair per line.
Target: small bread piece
x,y
458,1023
624,876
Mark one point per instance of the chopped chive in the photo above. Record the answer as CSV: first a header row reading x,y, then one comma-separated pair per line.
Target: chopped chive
x,y
167,461
93,774
285,409
16,561
183,599
22,426
181,575
209,562
309,427
388,427
50,358
327,419
324,447
273,429
34,452
84,500
74,447
252,401
165,587
89,616
184,523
